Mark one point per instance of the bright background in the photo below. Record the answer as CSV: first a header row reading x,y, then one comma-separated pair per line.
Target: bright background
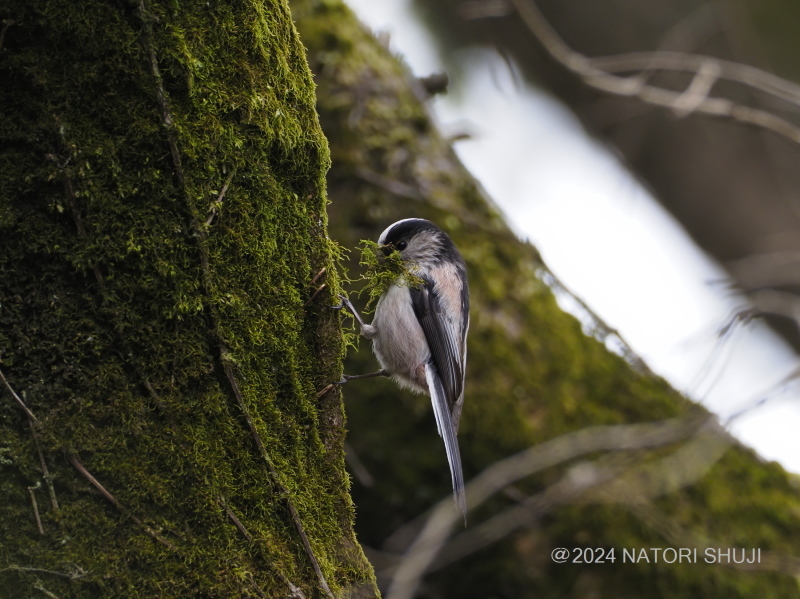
x,y
606,238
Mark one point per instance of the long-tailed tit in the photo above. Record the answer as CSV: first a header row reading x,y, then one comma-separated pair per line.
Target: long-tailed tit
x,y
419,333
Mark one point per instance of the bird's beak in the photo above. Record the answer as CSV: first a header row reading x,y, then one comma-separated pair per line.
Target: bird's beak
x,y
385,250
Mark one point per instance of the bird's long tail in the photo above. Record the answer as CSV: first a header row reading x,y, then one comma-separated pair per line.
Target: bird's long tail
x,y
447,431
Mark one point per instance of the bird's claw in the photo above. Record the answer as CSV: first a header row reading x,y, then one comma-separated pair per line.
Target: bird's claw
x,y
342,304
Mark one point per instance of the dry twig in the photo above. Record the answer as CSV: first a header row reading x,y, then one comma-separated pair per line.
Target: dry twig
x,y
296,592
18,399
36,508
596,72
274,474
73,459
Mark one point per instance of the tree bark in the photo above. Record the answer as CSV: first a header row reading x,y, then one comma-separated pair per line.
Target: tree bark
x,y
536,378
163,335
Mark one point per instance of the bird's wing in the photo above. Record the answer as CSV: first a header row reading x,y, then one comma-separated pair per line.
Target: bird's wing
x,y
444,422
443,314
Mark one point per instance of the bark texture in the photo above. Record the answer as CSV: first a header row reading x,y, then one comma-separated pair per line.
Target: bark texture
x,y
534,373
162,221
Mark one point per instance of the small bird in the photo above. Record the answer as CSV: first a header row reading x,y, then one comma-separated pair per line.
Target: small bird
x,y
419,333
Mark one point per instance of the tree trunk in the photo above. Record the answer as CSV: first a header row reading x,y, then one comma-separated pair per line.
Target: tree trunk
x,y
536,379
162,341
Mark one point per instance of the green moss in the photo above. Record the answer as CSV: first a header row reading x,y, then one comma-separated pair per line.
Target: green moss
x,y
144,253
533,373
382,271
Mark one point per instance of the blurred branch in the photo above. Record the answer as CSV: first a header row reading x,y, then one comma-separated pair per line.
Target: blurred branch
x,y
423,551
690,462
357,467
768,269
769,394
750,76
605,480
776,302
695,99
608,479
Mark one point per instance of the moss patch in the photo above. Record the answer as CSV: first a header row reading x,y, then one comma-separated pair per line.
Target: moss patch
x,y
163,216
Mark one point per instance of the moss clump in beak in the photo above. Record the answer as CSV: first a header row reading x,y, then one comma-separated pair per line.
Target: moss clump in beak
x,y
383,267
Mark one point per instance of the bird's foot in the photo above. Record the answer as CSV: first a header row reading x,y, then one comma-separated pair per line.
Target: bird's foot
x,y
369,375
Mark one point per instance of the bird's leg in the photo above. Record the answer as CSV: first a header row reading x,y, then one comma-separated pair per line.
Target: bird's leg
x,y
350,377
366,329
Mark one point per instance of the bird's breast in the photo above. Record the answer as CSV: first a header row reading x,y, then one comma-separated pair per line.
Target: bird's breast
x,y
400,344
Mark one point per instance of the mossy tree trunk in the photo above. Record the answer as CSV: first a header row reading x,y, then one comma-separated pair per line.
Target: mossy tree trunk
x,y
162,222
533,376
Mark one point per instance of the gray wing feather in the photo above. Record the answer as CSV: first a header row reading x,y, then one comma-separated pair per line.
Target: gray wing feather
x,y
446,337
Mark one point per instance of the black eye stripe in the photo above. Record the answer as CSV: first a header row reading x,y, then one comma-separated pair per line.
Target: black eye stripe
x,y
402,245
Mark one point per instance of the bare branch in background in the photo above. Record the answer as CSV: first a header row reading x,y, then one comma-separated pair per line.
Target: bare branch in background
x,y
597,73
776,302
425,548
747,75
609,479
768,269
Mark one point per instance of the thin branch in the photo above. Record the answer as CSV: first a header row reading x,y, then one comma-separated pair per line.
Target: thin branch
x,y
257,588
698,90
324,390
293,589
73,459
236,522
776,302
36,508
434,534
40,587
161,93
769,394
750,76
48,479
315,294
586,68
316,278
18,399
214,207
70,576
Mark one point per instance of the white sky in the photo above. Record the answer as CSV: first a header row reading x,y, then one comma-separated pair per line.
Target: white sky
x,y
606,238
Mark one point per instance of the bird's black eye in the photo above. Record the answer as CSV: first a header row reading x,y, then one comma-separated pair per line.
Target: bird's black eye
x,y
402,245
